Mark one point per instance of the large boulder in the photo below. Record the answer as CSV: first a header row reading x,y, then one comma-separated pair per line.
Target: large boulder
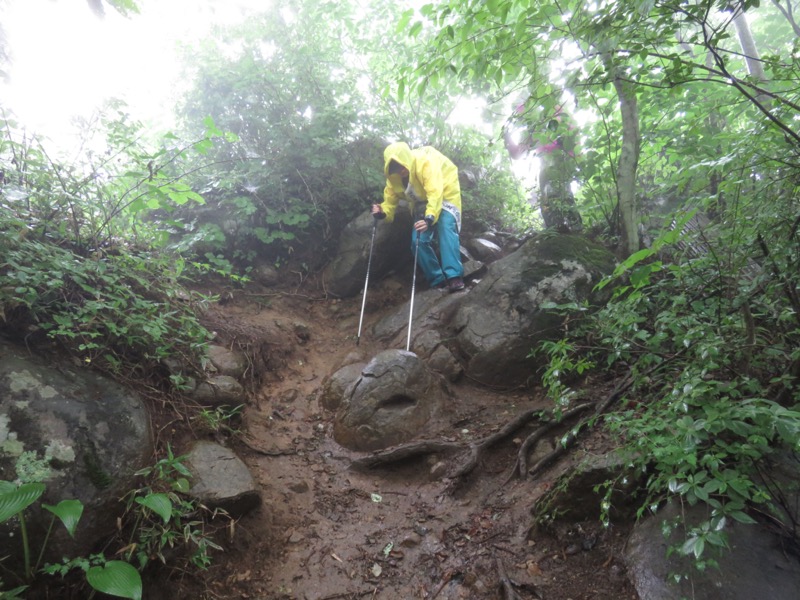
x,y
755,565
484,250
335,385
432,310
79,433
506,315
389,403
346,274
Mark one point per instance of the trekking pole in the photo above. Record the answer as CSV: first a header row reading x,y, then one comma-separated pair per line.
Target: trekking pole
x,y
413,286
366,283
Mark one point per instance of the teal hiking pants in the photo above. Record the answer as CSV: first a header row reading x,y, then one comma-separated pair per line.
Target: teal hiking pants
x,y
446,231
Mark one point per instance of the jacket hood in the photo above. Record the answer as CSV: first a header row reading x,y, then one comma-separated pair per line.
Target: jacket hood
x,y
399,152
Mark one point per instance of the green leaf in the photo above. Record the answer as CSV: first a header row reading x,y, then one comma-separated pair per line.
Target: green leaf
x,y
742,517
404,20
159,504
69,511
181,485
13,501
116,578
211,128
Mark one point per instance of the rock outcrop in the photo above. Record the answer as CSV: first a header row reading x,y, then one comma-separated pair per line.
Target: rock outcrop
x,y
80,433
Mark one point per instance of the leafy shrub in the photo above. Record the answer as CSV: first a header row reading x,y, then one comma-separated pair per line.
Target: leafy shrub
x,y
113,577
112,311
162,519
79,246
711,349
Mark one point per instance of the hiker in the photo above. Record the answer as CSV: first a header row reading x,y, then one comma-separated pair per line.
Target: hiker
x,y
428,180
556,170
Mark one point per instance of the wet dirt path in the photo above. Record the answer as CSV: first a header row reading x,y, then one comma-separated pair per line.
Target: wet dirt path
x,y
327,531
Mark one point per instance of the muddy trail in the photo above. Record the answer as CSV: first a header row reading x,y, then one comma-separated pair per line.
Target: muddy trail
x,y
326,530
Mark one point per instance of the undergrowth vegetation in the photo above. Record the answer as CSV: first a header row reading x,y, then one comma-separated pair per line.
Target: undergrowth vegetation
x,y
84,261
705,327
85,270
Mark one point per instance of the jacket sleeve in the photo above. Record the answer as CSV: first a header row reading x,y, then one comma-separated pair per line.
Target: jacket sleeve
x,y
390,202
430,175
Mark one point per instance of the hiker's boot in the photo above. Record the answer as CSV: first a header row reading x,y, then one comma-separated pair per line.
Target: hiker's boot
x,y
456,284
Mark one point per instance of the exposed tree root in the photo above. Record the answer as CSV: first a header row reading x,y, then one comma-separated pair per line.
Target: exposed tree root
x,y
570,438
521,465
509,586
404,451
473,452
475,449
509,593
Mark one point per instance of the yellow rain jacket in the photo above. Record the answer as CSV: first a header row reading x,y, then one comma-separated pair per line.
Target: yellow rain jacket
x,y
432,181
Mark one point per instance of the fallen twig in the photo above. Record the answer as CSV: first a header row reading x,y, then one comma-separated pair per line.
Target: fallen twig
x,y
448,576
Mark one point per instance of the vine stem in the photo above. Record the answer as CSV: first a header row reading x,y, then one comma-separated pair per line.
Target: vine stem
x,y
25,547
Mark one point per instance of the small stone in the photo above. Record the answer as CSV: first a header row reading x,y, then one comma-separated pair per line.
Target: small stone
x,y
300,487
411,540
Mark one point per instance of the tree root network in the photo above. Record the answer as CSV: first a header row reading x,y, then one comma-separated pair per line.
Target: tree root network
x,y
467,456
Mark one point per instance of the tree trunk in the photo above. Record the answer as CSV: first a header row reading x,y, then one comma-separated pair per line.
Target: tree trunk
x,y
628,163
748,44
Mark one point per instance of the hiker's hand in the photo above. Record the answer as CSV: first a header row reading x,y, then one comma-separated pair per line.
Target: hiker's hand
x,y
424,224
377,213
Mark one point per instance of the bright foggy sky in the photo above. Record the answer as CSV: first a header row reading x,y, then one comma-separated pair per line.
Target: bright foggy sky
x,y
66,60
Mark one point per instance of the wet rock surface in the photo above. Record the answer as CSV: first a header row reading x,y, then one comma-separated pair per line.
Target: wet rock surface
x,y
346,274
80,433
510,311
758,564
391,402
220,479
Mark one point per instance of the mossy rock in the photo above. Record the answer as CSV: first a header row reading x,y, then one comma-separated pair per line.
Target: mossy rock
x,y
507,315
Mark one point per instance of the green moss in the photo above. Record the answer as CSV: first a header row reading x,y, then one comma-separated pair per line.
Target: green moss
x,y
12,447
94,469
32,469
560,247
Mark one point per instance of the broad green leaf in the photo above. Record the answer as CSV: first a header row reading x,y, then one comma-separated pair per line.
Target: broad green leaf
x,y
211,128
69,511
13,501
159,504
742,517
405,18
181,485
116,578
